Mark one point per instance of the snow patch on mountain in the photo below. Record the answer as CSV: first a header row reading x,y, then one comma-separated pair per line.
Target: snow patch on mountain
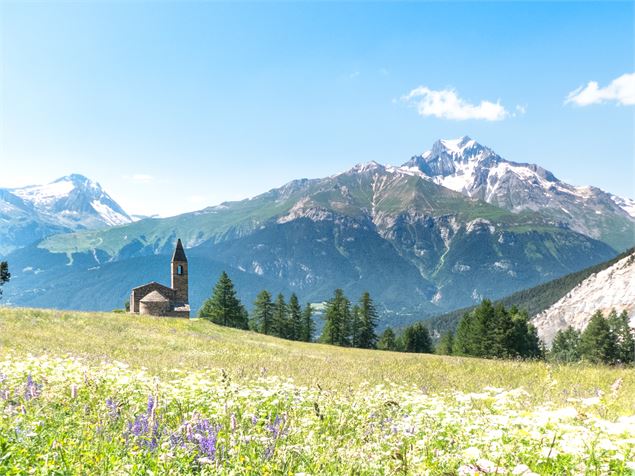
x,y
611,288
108,215
42,196
626,204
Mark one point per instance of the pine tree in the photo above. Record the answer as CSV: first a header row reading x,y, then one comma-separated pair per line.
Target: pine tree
x,y
5,276
444,347
597,343
387,340
623,335
308,326
524,341
337,316
262,314
295,318
367,338
223,307
566,346
280,318
495,332
416,338
354,326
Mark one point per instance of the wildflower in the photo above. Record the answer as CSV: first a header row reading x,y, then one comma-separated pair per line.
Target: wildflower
x,y
113,408
32,389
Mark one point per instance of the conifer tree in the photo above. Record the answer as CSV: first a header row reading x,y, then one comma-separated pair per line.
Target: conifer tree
x,y
5,276
262,314
387,340
495,332
337,316
623,335
280,318
367,338
444,347
566,346
223,307
354,326
308,326
597,343
416,338
295,318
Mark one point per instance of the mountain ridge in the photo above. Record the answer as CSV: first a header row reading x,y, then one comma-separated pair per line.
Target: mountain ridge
x,y
477,171
417,246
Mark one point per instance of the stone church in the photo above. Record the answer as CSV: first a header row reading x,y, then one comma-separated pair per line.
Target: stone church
x,y
159,300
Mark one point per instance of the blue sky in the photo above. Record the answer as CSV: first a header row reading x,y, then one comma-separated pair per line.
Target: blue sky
x,y
177,106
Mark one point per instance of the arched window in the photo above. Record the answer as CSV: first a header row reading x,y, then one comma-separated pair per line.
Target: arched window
x,y
179,270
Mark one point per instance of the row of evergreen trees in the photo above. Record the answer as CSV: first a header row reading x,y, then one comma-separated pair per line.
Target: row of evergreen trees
x,y
281,319
277,318
488,331
491,331
414,338
350,325
345,324
607,340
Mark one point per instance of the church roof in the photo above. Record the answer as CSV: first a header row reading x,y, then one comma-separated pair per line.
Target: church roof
x,y
154,296
154,284
179,252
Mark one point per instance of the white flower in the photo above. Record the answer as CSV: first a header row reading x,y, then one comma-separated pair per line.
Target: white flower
x,y
472,452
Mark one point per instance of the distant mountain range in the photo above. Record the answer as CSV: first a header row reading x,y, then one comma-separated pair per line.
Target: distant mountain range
x,y
70,203
449,227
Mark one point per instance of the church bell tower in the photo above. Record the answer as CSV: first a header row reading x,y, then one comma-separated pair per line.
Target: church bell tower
x,y
179,274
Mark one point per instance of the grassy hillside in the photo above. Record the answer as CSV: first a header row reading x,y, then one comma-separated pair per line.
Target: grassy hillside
x,y
534,300
105,393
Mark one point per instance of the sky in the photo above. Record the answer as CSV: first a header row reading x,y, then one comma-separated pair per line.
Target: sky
x,y
173,107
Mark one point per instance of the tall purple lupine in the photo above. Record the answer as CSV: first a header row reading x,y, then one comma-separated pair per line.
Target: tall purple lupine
x,y
32,389
145,427
276,429
113,408
206,434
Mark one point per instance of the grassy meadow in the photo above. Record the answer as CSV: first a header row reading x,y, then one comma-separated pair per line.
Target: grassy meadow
x,y
105,393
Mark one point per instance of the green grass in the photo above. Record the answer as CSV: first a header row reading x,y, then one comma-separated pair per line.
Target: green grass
x,y
281,407
160,344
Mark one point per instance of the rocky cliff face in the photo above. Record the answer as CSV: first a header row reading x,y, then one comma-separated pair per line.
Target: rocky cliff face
x,y
612,288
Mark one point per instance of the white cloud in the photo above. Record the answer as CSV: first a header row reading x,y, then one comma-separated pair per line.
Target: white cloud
x,y
139,178
446,104
621,90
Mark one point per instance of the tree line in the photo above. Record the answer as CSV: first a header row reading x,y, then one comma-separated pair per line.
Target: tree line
x,y
493,331
346,324
487,331
605,340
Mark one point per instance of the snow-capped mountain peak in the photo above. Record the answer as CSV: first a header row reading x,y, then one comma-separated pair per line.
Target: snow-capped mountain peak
x,y
468,167
455,147
74,201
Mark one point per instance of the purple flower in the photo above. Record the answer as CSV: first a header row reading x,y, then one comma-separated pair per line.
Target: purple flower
x,y
150,405
277,430
206,434
32,389
113,408
145,427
